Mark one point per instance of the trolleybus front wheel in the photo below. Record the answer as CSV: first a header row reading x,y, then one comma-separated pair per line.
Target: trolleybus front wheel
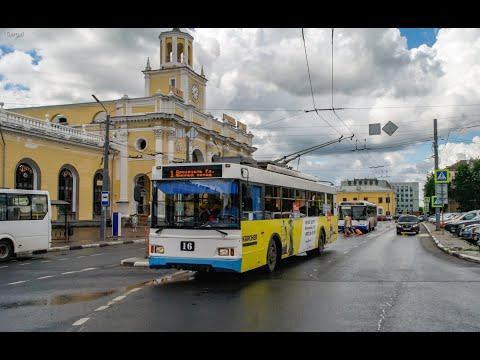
x,y
272,255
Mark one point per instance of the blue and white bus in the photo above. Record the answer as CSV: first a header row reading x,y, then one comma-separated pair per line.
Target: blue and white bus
x,y
25,222
363,214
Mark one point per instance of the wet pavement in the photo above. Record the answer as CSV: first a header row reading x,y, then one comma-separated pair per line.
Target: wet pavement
x,y
89,236
453,244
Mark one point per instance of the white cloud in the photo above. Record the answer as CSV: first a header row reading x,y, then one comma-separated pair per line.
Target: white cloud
x,y
374,74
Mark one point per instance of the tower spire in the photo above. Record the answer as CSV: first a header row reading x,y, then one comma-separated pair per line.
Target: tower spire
x,y
202,73
148,68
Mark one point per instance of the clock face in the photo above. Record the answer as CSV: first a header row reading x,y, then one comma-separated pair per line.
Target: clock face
x,y
195,92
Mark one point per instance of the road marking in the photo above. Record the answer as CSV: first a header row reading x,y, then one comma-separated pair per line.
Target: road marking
x,y
136,289
78,257
24,264
87,269
1,267
63,259
345,252
80,322
68,272
45,277
17,282
118,298
103,307
44,261
98,254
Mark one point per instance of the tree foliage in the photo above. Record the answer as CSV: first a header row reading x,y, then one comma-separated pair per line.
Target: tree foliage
x,y
466,188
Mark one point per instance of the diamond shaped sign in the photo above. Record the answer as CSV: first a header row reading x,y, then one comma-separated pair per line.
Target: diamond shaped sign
x,y
390,128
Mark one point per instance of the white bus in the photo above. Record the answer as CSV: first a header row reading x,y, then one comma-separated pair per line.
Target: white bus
x,y
25,222
363,214
236,217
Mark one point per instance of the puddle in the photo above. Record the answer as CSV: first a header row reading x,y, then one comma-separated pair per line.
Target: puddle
x,y
78,297
17,304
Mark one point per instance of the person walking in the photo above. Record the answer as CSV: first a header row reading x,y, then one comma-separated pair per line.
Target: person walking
x,y
347,225
134,222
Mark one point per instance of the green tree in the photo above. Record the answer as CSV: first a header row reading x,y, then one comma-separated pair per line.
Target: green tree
x,y
463,189
429,187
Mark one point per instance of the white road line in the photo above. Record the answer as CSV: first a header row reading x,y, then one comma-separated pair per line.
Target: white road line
x,y
24,264
345,252
80,322
45,277
118,298
17,282
78,257
103,307
1,267
44,261
69,272
63,259
87,269
97,254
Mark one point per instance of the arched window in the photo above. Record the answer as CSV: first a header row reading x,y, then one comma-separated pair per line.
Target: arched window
x,y
143,205
65,188
97,194
25,177
169,52
197,156
180,53
101,117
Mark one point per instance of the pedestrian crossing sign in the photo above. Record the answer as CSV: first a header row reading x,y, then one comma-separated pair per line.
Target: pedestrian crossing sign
x,y
442,176
437,201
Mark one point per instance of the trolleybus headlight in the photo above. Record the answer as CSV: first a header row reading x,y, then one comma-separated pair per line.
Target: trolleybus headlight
x,y
159,249
225,251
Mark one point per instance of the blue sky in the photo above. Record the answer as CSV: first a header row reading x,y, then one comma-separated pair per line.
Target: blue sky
x,y
418,36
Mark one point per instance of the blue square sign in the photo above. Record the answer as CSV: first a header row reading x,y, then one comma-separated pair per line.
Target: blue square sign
x,y
442,176
105,198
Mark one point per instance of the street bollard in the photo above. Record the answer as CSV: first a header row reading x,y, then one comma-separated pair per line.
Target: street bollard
x,y
146,233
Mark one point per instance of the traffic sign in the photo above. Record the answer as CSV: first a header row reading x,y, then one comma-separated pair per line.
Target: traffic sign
x,y
390,128
442,176
426,202
105,198
437,201
441,190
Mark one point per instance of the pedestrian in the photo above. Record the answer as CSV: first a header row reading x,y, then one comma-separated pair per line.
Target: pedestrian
x,y
347,225
134,222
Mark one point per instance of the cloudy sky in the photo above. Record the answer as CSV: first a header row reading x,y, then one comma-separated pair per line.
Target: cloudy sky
x,y
273,79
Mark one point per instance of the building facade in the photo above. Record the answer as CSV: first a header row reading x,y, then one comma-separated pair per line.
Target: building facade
x,y
407,197
59,148
376,191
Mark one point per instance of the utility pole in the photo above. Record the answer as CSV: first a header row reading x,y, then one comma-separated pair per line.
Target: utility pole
x,y
105,182
435,149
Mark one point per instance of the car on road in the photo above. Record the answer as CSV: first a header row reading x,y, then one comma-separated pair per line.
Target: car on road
x,y
407,223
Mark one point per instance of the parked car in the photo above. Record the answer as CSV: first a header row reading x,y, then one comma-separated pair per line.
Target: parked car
x,y
471,215
407,223
389,218
381,218
457,228
468,232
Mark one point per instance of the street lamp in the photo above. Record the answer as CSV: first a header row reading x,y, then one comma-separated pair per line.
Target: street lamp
x,y
105,182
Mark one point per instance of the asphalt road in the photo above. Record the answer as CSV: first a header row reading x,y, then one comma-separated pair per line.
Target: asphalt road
x,y
379,282
49,292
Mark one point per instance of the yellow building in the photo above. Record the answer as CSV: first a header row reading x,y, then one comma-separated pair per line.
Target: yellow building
x,y
379,192
60,148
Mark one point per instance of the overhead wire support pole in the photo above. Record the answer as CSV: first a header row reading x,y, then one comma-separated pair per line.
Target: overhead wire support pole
x,y
435,149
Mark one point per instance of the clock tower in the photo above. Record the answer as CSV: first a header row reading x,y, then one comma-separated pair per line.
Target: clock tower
x,y
176,71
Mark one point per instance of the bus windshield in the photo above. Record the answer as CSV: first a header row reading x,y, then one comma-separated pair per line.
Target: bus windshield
x,y
355,212
204,203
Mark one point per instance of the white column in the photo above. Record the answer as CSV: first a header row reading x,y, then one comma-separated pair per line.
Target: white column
x,y
209,153
174,49
158,146
164,48
147,85
185,51
204,96
171,139
122,137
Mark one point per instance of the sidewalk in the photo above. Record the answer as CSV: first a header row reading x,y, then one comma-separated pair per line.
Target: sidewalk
x,y
86,237
453,244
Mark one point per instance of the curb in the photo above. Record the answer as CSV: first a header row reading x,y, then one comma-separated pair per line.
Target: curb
x,y
454,253
86,246
135,262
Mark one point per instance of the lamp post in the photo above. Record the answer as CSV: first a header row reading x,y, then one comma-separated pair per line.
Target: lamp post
x,y
105,182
